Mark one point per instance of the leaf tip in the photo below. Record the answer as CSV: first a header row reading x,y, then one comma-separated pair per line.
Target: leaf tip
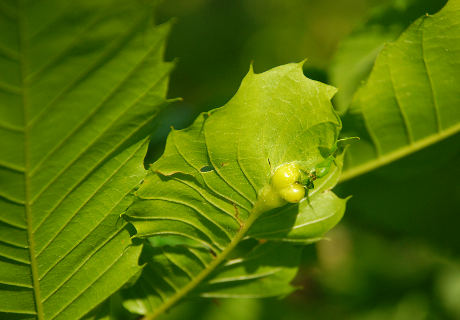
x,y
177,99
251,68
302,63
173,21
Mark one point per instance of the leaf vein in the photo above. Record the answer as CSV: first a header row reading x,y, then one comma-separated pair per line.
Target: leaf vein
x,y
184,203
91,196
81,265
87,287
183,269
427,71
96,164
407,127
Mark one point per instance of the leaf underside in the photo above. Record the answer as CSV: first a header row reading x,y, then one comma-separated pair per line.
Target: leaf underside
x,y
356,54
199,204
81,82
411,98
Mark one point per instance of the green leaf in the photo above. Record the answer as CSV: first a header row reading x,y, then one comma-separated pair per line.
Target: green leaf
x,y
356,54
301,224
264,270
213,182
354,61
79,87
111,309
417,210
422,193
410,100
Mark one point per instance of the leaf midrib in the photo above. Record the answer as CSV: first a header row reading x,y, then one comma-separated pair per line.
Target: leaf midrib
x,y
255,213
398,153
28,214
412,146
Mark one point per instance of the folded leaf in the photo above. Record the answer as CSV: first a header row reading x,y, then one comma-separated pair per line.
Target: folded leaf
x,y
263,271
214,183
302,224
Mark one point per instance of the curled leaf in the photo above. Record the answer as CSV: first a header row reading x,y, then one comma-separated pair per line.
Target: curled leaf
x,y
214,186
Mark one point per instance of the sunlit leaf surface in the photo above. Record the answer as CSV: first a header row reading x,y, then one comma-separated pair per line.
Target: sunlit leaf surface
x,y
202,203
80,82
356,54
411,98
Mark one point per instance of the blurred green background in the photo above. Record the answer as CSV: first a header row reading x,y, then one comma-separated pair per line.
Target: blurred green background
x,y
395,254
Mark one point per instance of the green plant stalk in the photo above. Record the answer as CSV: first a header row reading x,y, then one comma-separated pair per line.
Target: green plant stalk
x,y
257,210
398,154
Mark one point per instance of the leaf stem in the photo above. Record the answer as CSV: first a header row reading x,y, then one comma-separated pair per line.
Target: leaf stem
x,y
255,213
398,153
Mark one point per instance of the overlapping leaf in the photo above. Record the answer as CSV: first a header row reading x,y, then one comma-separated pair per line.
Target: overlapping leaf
x,y
80,82
356,54
264,270
411,98
206,187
